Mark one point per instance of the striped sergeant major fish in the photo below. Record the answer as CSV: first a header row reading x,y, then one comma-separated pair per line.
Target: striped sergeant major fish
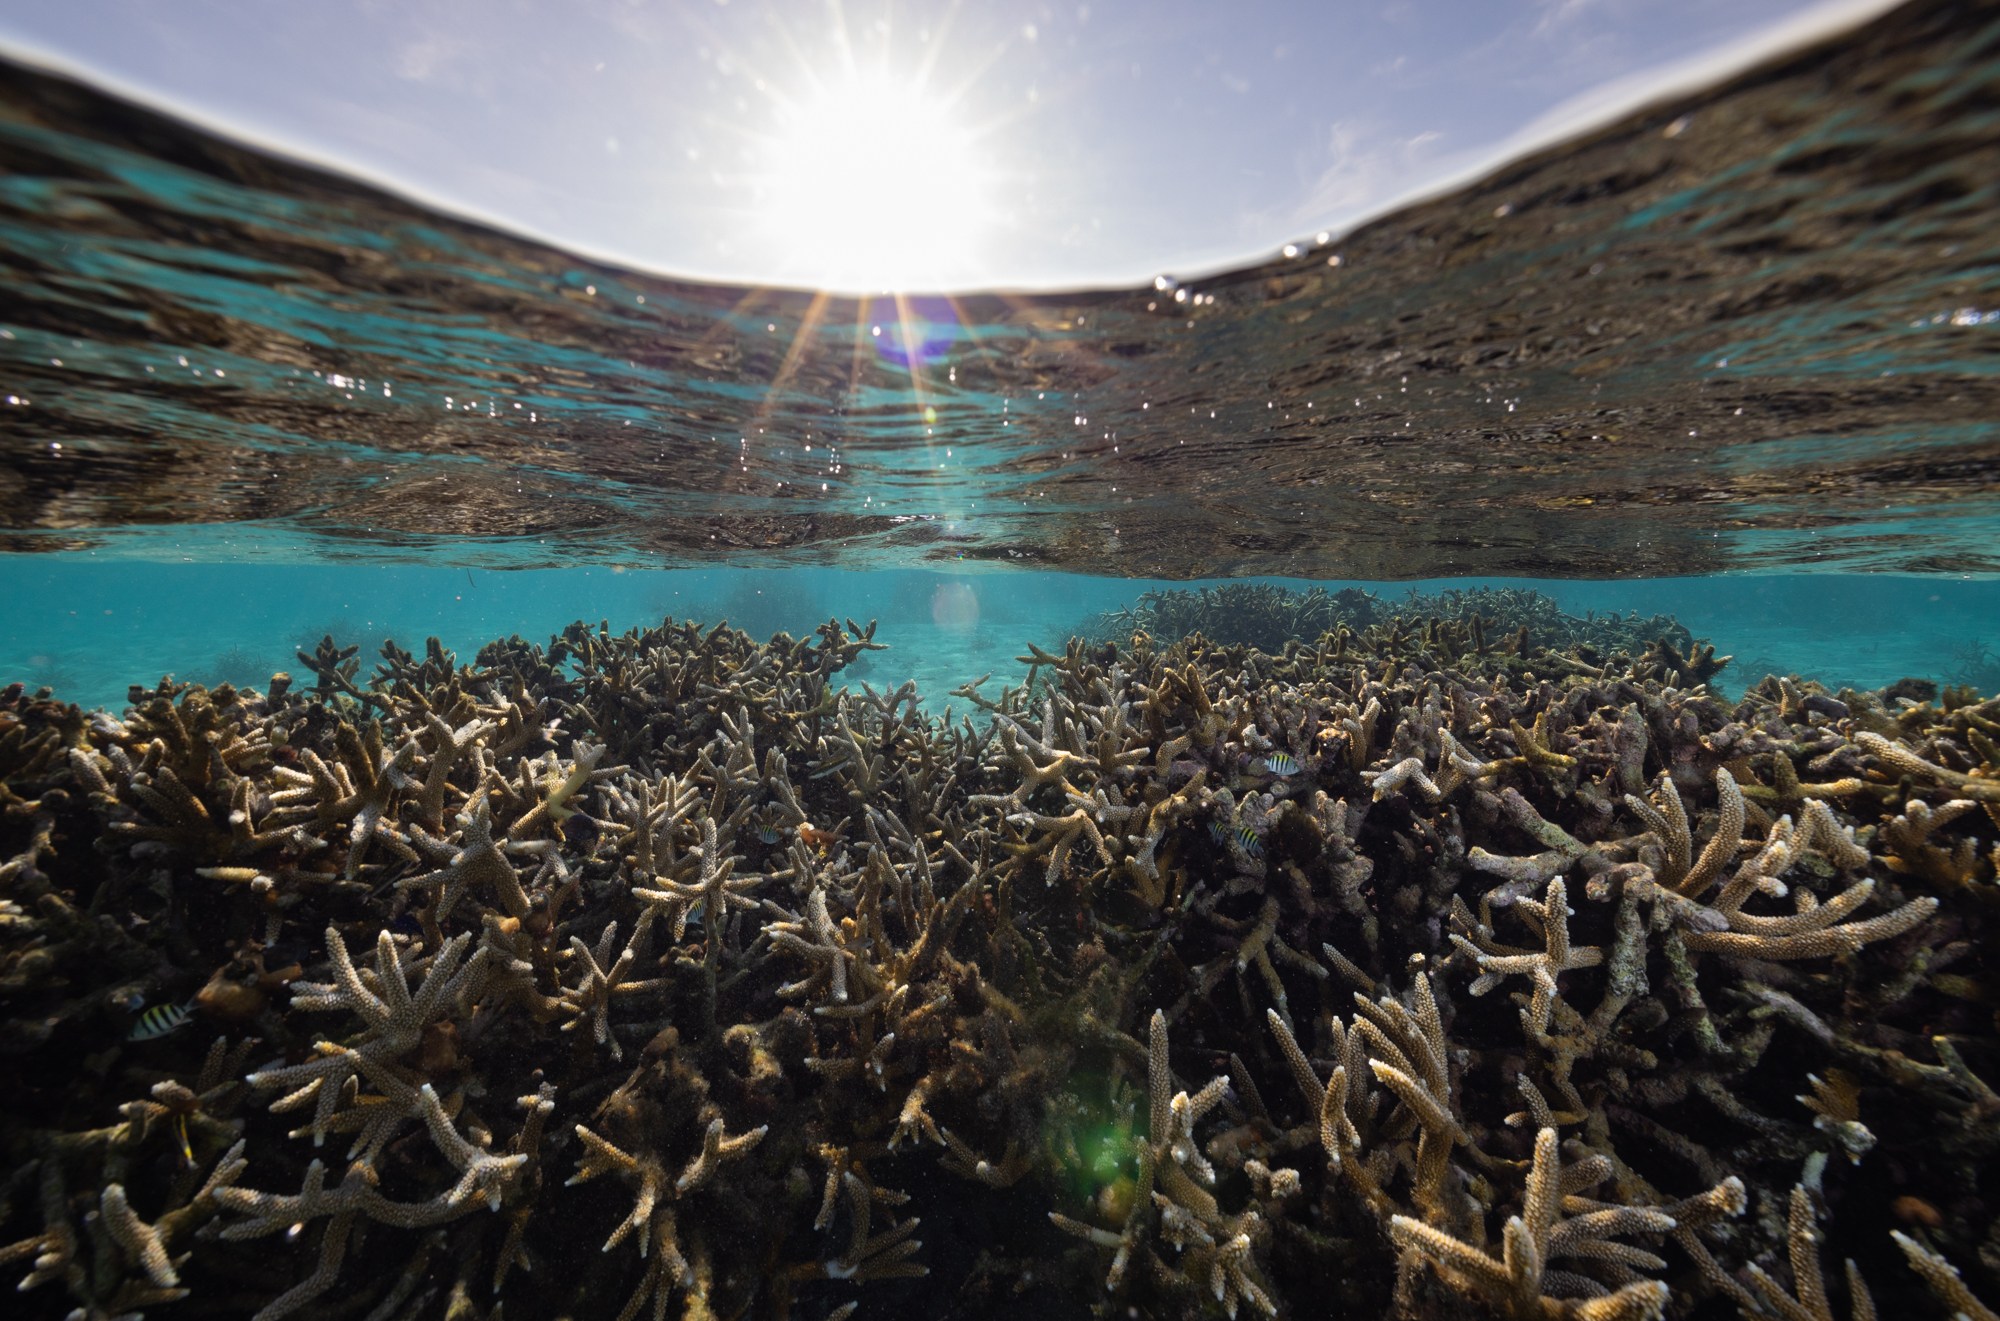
x,y
1281,764
1252,842
158,1021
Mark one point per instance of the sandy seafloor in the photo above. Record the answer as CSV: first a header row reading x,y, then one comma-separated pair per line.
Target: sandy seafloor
x,y
89,627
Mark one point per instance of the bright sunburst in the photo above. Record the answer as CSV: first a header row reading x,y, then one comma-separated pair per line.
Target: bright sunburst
x,y
872,182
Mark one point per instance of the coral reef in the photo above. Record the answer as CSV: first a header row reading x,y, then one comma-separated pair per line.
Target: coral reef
x,y
1255,614
1439,965
1481,619
1972,663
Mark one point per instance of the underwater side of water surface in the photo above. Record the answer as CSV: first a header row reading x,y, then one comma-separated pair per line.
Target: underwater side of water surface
x,y
1753,330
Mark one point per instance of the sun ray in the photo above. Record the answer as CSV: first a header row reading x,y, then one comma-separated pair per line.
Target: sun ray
x,y
795,352
913,354
981,346
861,346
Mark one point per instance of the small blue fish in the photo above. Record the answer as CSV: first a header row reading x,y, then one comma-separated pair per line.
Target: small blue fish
x,y
768,834
1280,764
158,1021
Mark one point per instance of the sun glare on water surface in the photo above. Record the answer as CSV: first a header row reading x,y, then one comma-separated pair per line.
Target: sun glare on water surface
x,y
872,183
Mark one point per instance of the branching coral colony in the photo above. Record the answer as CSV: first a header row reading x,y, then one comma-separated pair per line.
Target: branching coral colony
x,y
1417,971
1480,619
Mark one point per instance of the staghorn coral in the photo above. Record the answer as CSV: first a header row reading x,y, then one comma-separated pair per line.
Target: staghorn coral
x,y
1516,1281
868,1255
652,1224
1944,1280
1809,1301
1484,621
1170,1198
1507,957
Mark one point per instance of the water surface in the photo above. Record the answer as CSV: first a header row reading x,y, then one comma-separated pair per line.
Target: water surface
x,y
1753,329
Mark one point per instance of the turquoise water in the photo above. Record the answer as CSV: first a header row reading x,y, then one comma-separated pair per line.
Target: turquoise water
x,y
1727,370
89,626
1749,335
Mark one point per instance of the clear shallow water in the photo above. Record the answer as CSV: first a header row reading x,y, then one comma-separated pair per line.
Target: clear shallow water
x,y
90,627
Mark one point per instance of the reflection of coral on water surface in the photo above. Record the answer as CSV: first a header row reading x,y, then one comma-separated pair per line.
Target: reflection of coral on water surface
x,y
1462,959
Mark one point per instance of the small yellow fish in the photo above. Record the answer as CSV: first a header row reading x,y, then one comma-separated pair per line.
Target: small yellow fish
x,y
1281,764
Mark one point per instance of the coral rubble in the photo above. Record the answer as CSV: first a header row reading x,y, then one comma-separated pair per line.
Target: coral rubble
x,y
1450,964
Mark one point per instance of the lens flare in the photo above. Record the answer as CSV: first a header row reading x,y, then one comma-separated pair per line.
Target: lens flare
x,y
916,332
955,607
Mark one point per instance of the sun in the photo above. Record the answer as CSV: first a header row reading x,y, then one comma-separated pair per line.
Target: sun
x,y
872,183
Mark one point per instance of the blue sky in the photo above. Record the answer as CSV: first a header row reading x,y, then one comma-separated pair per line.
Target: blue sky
x,y
1021,145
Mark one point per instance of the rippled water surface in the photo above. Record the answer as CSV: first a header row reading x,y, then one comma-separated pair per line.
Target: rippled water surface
x,y
1758,328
